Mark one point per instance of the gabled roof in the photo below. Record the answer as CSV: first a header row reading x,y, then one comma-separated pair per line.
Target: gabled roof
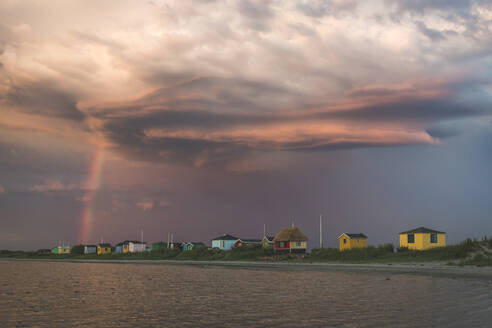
x,y
132,241
269,238
353,235
194,243
421,230
290,234
226,237
251,240
104,245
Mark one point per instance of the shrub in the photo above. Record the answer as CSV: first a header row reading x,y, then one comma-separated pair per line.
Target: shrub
x,y
356,254
201,253
77,250
249,252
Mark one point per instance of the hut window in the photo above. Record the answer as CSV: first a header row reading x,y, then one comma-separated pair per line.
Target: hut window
x,y
411,238
298,244
344,240
281,244
434,238
222,243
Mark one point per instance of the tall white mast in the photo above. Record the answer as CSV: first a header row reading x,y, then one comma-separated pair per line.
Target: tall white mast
x,y
264,230
320,231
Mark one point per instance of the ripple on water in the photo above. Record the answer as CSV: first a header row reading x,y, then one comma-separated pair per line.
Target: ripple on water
x,y
45,294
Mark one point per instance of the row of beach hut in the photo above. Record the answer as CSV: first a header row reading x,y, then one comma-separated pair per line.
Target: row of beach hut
x,y
288,240
292,240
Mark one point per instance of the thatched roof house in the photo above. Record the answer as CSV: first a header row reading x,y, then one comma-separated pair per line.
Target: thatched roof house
x,y
290,239
290,234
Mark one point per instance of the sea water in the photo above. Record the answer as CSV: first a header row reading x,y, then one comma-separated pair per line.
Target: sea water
x,y
64,294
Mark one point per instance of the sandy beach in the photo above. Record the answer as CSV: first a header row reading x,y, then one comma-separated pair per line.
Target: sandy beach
x,y
427,269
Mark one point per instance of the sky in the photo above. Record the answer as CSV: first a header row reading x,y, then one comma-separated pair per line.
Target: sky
x,y
209,117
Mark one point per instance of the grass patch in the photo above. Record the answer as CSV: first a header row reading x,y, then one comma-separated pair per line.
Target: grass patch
x,y
370,253
462,253
468,252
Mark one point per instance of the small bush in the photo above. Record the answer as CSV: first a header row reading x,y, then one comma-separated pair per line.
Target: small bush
x,y
77,250
201,253
353,255
249,252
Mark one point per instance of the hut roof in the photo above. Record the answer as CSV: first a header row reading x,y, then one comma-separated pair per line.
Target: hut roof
x,y
226,237
269,238
353,235
290,234
104,245
421,230
251,241
132,241
195,243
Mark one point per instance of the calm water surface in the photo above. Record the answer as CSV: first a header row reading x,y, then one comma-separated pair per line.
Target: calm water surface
x,y
42,294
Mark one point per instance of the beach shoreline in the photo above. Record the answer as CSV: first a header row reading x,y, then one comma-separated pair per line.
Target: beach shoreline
x,y
436,269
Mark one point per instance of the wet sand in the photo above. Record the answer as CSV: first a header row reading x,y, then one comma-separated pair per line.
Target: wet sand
x,y
427,268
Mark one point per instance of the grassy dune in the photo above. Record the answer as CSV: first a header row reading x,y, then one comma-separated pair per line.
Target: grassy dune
x,y
468,252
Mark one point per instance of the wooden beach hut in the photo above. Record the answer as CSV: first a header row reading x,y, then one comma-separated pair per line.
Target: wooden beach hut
x,y
191,245
136,246
130,246
159,246
60,250
290,240
268,242
224,242
103,248
90,249
352,240
422,238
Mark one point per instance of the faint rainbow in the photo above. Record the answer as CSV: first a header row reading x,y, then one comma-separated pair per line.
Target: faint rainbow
x,y
93,184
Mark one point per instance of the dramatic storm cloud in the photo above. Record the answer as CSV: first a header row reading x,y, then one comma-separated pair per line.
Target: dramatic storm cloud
x,y
205,117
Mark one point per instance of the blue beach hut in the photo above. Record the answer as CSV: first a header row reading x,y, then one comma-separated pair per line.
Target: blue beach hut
x,y
224,242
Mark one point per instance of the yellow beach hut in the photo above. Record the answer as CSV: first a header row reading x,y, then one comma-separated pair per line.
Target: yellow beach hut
x,y
103,249
352,240
422,238
61,250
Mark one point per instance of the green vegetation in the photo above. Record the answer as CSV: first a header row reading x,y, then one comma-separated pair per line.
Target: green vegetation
x,y
77,250
468,252
250,253
201,254
370,253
